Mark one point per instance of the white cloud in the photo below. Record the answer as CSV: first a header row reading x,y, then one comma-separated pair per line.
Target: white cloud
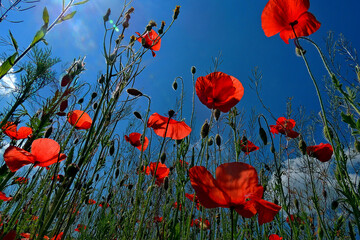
x,y
7,83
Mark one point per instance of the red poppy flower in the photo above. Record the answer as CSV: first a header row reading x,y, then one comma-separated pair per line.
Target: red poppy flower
x,y
79,119
134,139
191,198
158,219
322,152
161,173
91,201
219,90
176,205
80,227
58,236
152,41
275,237
183,163
102,204
10,129
59,177
292,219
4,197
236,186
175,130
284,126
25,235
199,223
247,146
21,180
284,15
44,152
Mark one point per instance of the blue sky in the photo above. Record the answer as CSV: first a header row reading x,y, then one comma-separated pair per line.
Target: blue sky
x,y
203,29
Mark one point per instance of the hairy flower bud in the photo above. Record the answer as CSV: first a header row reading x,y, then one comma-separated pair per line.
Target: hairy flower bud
x,y
176,12
205,129
193,69
81,100
48,132
302,146
106,16
171,113
334,204
166,183
134,92
174,85
163,157
218,140
66,79
161,29
93,95
137,115
263,135
63,105
101,79
217,114
210,141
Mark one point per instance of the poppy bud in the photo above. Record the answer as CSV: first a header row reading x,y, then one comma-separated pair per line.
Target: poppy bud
x,y
210,141
193,69
132,39
125,24
161,29
218,140
166,183
143,42
101,79
81,100
263,135
171,113
112,148
272,148
76,141
137,115
334,204
244,141
93,95
217,114
72,169
48,132
176,12
117,172
328,133
95,105
66,79
296,203
276,201
61,114
63,105
163,157
106,16
298,51
205,129
150,25
174,85
302,146
134,92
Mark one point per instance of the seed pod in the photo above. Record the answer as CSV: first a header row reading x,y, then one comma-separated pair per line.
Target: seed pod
x,y
171,113
137,115
134,92
263,135
205,129
163,157
302,146
193,69
76,141
48,132
106,16
97,177
218,140
217,114
174,85
210,141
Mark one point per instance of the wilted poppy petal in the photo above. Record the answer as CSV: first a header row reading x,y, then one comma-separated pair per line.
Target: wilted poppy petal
x,y
266,210
207,190
4,197
238,180
46,152
134,139
79,119
219,90
15,158
322,152
175,130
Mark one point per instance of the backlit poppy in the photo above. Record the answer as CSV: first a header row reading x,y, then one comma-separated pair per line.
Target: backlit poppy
x,y
10,129
152,41
236,186
284,126
91,201
287,16
79,119
322,152
175,130
161,172
44,152
135,140
275,237
247,146
4,197
219,90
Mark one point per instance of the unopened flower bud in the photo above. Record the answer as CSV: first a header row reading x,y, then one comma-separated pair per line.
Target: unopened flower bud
x,y
150,25
176,12
76,141
193,69
217,114
143,42
334,204
134,92
298,51
205,129
72,169
137,115
112,148
178,141
163,157
106,16
218,140
302,146
210,141
263,135
95,105
93,95
66,79
171,113
166,183
97,177
161,29
63,105
174,85
272,148
117,172
101,79
81,100
132,39
48,132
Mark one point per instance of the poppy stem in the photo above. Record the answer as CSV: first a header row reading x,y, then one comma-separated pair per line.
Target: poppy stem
x,y
232,222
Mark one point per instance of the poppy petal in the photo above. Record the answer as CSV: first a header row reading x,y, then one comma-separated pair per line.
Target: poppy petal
x,y
46,152
134,140
207,190
15,158
79,119
322,152
266,210
246,210
4,197
175,130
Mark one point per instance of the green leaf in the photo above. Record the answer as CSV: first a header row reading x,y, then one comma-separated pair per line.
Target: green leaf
x,y
39,35
79,3
46,16
349,119
68,16
5,67
14,43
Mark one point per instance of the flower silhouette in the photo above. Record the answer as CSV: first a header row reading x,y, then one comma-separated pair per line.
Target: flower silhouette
x,y
219,90
236,187
286,17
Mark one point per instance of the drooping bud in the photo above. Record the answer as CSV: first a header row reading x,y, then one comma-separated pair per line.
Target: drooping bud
x,y
193,69
272,148
48,132
81,100
93,95
63,105
302,146
166,183
97,177
137,115
174,85
218,140
76,141
112,148
161,29
66,79
117,172
205,129
163,157
101,79
176,12
298,51
210,141
263,135
134,92
106,16
217,114
95,105
171,113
